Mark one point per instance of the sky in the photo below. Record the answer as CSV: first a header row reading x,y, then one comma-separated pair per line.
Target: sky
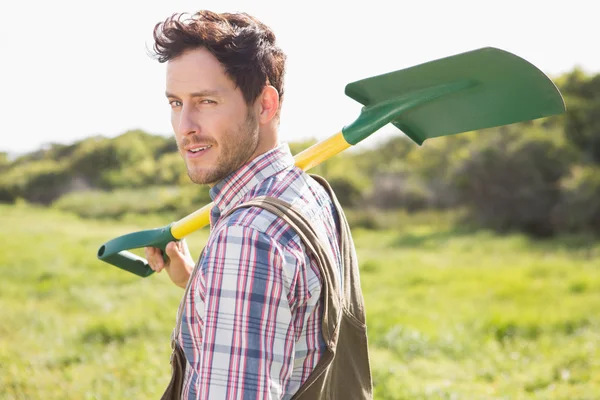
x,y
72,69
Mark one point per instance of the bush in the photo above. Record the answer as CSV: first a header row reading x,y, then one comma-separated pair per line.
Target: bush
x,y
582,119
7,195
511,181
346,190
579,208
48,186
393,191
37,182
177,201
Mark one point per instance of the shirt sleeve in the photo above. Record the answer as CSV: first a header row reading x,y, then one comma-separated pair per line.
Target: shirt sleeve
x,y
248,335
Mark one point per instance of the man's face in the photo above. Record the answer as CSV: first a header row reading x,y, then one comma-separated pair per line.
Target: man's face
x,y
216,131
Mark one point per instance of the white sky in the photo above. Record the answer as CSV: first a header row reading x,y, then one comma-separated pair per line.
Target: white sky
x,y
70,69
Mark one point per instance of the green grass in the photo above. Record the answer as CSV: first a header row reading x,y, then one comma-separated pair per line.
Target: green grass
x,y
452,313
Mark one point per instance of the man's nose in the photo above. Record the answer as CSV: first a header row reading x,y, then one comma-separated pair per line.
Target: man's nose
x,y
187,123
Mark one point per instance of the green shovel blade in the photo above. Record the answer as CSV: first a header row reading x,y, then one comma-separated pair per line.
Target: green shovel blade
x,y
479,89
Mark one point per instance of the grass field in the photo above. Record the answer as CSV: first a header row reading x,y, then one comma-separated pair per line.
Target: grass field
x,y
452,314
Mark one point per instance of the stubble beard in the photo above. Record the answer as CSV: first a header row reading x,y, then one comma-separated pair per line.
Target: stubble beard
x,y
237,146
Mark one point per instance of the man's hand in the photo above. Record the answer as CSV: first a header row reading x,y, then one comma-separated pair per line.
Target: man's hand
x,y
180,263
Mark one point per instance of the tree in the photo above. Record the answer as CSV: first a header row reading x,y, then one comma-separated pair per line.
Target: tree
x,y
511,180
582,120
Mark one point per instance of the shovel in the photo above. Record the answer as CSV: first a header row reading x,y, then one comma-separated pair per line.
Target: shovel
x,y
479,89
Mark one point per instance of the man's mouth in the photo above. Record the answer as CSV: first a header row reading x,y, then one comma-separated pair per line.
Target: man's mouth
x,y
199,149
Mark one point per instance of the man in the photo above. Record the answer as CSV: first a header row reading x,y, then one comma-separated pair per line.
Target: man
x,y
252,315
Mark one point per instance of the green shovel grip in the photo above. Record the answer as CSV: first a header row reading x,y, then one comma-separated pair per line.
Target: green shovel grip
x,y
115,251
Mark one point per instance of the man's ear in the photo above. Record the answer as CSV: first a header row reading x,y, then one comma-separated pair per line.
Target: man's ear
x,y
269,104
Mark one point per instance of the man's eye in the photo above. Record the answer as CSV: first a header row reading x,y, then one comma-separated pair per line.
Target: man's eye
x,y
175,103
207,101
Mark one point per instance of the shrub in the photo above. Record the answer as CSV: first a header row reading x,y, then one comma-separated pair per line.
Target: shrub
x,y
393,191
511,181
175,200
579,207
346,190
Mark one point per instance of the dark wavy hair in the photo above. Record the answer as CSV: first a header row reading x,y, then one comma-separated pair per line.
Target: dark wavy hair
x,y
243,45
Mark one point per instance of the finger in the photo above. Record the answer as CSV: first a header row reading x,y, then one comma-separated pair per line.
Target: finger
x,y
151,256
148,251
173,250
154,258
184,247
168,255
158,260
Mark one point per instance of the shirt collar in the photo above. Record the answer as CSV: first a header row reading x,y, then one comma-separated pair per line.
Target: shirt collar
x,y
228,192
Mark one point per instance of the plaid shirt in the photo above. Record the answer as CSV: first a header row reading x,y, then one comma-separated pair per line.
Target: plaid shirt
x,y
251,322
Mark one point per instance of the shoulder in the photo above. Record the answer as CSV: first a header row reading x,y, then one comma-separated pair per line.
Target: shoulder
x,y
292,186
255,226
